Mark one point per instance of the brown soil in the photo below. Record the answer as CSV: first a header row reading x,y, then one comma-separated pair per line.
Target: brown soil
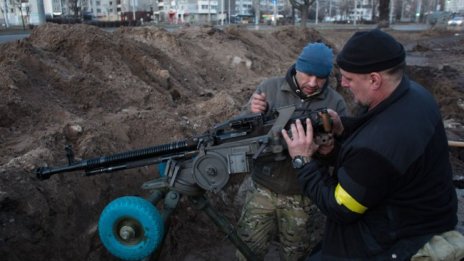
x,y
136,87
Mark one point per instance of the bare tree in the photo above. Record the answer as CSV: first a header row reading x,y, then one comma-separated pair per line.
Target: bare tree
x,y
22,11
302,6
288,11
442,5
74,7
384,12
257,10
345,7
4,9
374,9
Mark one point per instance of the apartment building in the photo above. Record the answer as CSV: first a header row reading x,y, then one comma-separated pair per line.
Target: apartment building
x,y
15,12
455,6
187,11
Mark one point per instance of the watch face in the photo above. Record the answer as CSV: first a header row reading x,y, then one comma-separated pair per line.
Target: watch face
x,y
297,162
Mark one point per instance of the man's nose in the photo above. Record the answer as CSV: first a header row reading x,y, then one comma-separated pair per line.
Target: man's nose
x,y
344,83
311,80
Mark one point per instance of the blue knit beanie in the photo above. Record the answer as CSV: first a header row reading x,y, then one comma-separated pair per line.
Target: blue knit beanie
x,y
315,59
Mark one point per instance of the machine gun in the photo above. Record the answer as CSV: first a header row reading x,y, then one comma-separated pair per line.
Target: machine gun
x,y
132,228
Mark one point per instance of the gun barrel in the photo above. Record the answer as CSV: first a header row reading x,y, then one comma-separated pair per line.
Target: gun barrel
x,y
45,172
160,150
129,156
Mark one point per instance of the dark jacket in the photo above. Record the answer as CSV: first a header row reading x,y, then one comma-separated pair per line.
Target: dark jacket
x,y
394,161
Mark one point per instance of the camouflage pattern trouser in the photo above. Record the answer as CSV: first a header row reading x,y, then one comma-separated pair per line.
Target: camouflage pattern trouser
x,y
266,213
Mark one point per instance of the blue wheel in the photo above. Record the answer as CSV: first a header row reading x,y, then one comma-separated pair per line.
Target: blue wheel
x,y
130,228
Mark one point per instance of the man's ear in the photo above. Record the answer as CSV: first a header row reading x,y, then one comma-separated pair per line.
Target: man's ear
x,y
375,80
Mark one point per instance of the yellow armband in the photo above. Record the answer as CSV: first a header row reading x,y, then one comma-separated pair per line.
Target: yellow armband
x,y
343,198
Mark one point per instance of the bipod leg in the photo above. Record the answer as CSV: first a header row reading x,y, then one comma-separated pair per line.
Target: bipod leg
x,y
170,203
171,199
156,196
202,203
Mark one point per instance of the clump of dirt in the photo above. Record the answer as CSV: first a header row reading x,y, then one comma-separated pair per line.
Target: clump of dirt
x,y
108,92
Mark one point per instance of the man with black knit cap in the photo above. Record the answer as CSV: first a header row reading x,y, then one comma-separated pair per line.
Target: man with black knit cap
x,y
391,196
275,204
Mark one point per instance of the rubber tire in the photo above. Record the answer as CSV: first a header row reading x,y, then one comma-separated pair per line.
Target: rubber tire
x,y
143,212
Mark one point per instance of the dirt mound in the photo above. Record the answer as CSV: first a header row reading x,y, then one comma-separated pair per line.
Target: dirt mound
x,y
107,92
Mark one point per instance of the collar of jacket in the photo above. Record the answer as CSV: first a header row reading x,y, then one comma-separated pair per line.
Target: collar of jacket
x,y
291,80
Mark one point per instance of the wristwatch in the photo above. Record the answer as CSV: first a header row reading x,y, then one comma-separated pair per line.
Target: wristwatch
x,y
299,161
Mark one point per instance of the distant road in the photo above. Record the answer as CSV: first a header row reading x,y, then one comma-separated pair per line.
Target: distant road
x,y
5,37
410,27
12,37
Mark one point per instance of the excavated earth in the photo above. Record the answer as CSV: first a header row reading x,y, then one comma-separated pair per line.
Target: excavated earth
x,y
107,92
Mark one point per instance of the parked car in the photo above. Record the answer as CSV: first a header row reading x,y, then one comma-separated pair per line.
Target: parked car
x,y
439,17
458,20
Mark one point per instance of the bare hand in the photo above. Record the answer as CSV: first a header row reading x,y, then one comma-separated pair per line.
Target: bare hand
x,y
258,102
337,123
301,142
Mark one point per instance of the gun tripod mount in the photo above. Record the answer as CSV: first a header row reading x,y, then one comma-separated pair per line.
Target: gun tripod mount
x,y
132,228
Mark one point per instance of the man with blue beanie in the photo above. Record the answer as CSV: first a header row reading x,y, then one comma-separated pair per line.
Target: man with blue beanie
x,y
274,206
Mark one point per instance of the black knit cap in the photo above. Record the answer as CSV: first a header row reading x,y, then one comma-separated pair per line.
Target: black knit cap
x,y
370,51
